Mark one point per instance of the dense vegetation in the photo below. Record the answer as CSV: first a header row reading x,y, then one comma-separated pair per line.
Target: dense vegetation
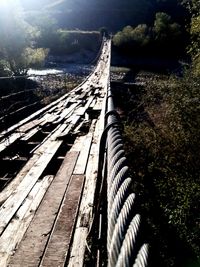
x,y
162,147
194,7
165,38
162,144
156,28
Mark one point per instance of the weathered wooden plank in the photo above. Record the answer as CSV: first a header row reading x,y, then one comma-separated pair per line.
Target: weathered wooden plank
x,y
11,187
73,120
85,214
102,117
98,104
33,244
78,250
30,134
93,103
67,112
83,156
63,228
80,111
78,143
48,140
28,126
9,140
19,224
10,206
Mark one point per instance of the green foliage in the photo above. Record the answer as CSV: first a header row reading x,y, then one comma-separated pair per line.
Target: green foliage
x,y
46,26
164,38
194,49
132,38
164,28
162,144
17,41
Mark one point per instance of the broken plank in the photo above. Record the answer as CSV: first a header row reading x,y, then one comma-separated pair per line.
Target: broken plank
x,y
67,112
48,139
85,215
80,111
74,120
32,246
30,134
19,224
11,205
9,140
63,228
11,187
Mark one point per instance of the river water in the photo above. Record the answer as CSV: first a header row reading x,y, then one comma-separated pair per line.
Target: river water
x,y
69,69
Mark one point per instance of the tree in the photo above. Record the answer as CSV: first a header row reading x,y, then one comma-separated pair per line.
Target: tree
x,y
167,34
164,28
194,49
132,37
46,26
17,41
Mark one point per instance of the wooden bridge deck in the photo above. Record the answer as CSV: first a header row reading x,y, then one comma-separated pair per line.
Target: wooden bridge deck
x,y
48,176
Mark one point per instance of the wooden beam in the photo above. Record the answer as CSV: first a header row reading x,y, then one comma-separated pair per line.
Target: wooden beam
x,y
63,228
85,215
9,140
19,224
83,156
34,242
11,205
12,186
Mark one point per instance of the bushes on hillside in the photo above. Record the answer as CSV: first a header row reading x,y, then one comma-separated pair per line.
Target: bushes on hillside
x,y
162,143
164,38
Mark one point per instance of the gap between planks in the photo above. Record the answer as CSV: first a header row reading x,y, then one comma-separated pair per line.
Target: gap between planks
x,y
11,205
14,232
34,242
85,215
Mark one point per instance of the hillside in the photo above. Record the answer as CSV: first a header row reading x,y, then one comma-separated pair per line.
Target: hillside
x,y
93,14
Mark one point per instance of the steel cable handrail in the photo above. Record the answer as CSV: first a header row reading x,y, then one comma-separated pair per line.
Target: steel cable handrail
x,y
124,246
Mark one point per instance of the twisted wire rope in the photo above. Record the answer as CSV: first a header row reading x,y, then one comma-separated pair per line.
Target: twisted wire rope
x,y
117,206
141,260
124,247
120,230
126,254
123,225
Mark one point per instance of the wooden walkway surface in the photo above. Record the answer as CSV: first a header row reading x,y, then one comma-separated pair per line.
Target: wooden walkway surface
x,y
49,170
